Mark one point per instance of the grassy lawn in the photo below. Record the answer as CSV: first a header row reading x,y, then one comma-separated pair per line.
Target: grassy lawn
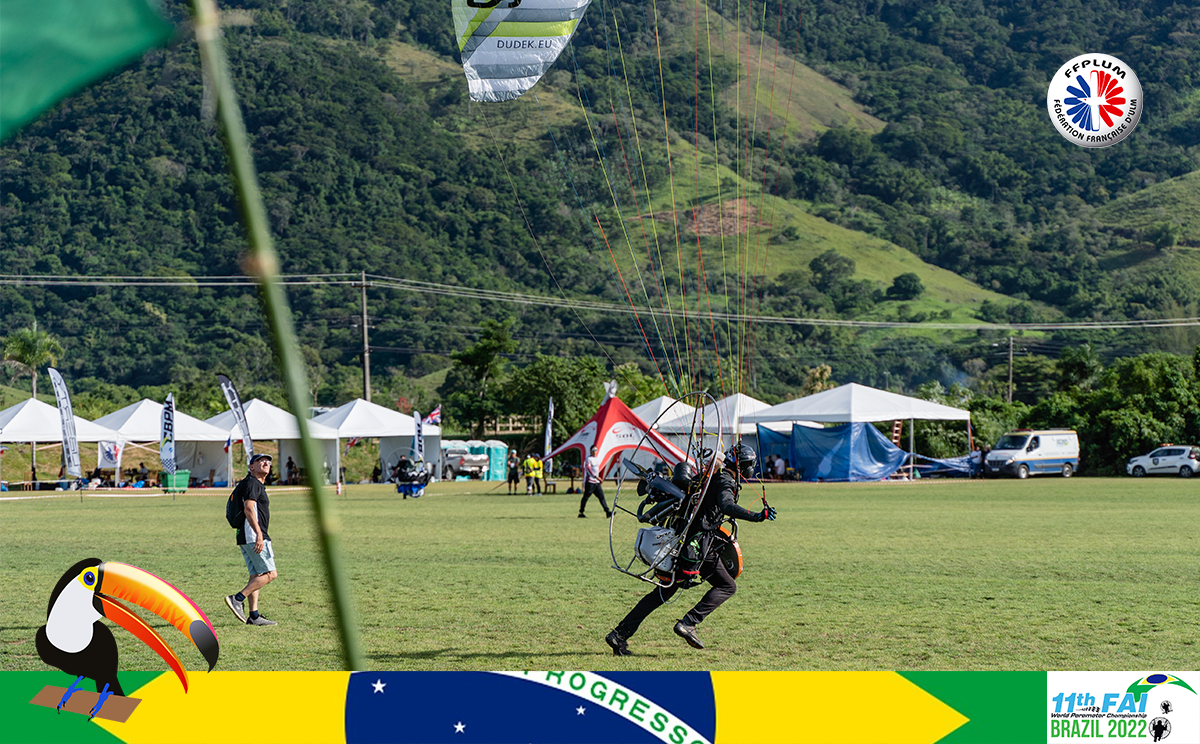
x,y
1042,574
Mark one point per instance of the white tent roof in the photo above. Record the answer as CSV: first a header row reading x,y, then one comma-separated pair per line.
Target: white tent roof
x,y
268,422
736,407
32,420
855,402
360,418
142,422
649,412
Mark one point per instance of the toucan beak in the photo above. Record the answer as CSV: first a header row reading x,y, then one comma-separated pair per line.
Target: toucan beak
x,y
132,584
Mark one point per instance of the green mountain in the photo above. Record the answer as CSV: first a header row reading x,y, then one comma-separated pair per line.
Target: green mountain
x,y
789,158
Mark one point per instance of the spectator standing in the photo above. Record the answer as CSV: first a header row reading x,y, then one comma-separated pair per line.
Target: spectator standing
x,y
593,484
254,542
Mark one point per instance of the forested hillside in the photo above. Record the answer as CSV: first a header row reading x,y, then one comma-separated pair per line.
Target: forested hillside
x,y
881,139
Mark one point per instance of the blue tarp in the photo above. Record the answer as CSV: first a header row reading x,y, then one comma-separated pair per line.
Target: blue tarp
x,y
849,452
950,467
773,443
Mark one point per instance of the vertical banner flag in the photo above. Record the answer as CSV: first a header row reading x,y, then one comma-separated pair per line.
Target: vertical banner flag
x,y
70,443
235,405
546,448
418,438
166,442
110,456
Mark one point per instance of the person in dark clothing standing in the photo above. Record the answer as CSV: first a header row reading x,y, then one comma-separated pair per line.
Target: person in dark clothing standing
x,y
719,501
255,541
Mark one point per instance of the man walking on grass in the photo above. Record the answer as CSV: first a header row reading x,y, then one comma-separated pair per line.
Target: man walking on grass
x,y
254,541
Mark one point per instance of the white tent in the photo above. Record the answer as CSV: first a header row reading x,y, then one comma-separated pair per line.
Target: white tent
x,y
31,420
649,412
271,422
860,403
733,411
395,431
199,447
856,402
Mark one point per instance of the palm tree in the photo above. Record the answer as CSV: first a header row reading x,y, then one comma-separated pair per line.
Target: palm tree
x,y
27,350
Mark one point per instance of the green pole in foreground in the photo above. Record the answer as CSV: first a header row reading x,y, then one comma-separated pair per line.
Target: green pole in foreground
x,y
263,263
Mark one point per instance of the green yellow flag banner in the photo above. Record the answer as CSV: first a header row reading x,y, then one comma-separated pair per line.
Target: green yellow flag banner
x,y
628,707
51,48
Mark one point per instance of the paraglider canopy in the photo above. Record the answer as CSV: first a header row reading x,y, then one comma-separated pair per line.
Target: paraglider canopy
x,y
507,45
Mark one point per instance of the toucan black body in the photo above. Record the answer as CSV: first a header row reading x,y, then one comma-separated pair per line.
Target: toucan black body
x,y
98,660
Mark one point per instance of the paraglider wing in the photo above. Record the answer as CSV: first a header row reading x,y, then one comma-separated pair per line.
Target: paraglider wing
x,y
507,45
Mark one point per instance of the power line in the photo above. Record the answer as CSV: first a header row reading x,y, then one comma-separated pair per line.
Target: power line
x,y
488,295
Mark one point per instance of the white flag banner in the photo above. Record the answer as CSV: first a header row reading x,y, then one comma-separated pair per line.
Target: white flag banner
x,y
70,443
166,443
110,455
235,405
418,438
546,445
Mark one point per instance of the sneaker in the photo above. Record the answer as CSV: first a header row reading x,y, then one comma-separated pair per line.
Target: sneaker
x,y
608,515
582,515
236,606
618,643
688,633
260,620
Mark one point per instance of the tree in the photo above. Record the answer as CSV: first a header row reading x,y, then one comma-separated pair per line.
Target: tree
x,y
28,349
473,386
1079,368
576,384
906,287
816,380
831,269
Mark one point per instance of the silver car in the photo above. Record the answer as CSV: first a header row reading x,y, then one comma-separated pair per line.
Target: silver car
x,y
1166,460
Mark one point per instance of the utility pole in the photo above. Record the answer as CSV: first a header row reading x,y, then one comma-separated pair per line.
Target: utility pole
x,y
366,350
1010,354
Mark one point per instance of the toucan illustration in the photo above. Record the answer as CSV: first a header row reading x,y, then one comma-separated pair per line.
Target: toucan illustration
x,y
75,641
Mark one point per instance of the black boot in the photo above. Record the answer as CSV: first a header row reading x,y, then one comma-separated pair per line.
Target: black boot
x,y
618,643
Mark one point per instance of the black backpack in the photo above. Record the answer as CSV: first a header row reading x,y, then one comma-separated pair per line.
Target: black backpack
x,y
235,512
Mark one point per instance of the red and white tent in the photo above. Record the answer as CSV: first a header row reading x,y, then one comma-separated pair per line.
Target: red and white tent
x,y
615,429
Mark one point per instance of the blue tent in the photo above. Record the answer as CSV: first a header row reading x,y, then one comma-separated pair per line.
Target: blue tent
x,y
773,443
849,452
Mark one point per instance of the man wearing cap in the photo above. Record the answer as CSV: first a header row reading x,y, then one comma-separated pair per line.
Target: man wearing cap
x,y
254,541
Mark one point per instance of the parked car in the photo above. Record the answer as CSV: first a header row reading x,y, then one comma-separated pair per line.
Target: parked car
x,y
1166,460
1026,452
459,461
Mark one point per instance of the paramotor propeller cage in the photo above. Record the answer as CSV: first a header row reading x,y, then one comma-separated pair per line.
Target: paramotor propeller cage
x,y
666,502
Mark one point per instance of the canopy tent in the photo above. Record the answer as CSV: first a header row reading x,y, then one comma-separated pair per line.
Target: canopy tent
x,y
268,422
199,447
861,404
31,420
850,452
615,429
395,431
771,442
854,402
735,412
649,412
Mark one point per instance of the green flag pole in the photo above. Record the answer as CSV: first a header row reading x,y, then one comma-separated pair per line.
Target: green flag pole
x,y
263,264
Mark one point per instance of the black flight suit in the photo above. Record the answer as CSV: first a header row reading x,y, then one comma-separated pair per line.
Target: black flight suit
x,y
719,500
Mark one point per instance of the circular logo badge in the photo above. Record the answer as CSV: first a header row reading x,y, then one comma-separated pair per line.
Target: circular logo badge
x,y
1095,100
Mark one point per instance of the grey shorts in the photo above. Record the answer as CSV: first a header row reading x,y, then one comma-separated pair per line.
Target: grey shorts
x,y
259,563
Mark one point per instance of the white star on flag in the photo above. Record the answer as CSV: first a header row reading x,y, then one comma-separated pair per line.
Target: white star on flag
x,y
460,727
379,684
580,711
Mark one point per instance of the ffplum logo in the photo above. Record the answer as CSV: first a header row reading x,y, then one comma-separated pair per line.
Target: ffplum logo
x,y
1095,100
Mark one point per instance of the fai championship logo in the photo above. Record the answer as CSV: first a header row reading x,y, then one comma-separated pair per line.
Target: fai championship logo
x,y
1095,100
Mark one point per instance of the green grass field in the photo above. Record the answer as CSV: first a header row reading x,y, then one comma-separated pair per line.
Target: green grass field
x,y
1042,574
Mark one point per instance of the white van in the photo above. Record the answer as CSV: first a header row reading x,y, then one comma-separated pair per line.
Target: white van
x,y
1026,452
